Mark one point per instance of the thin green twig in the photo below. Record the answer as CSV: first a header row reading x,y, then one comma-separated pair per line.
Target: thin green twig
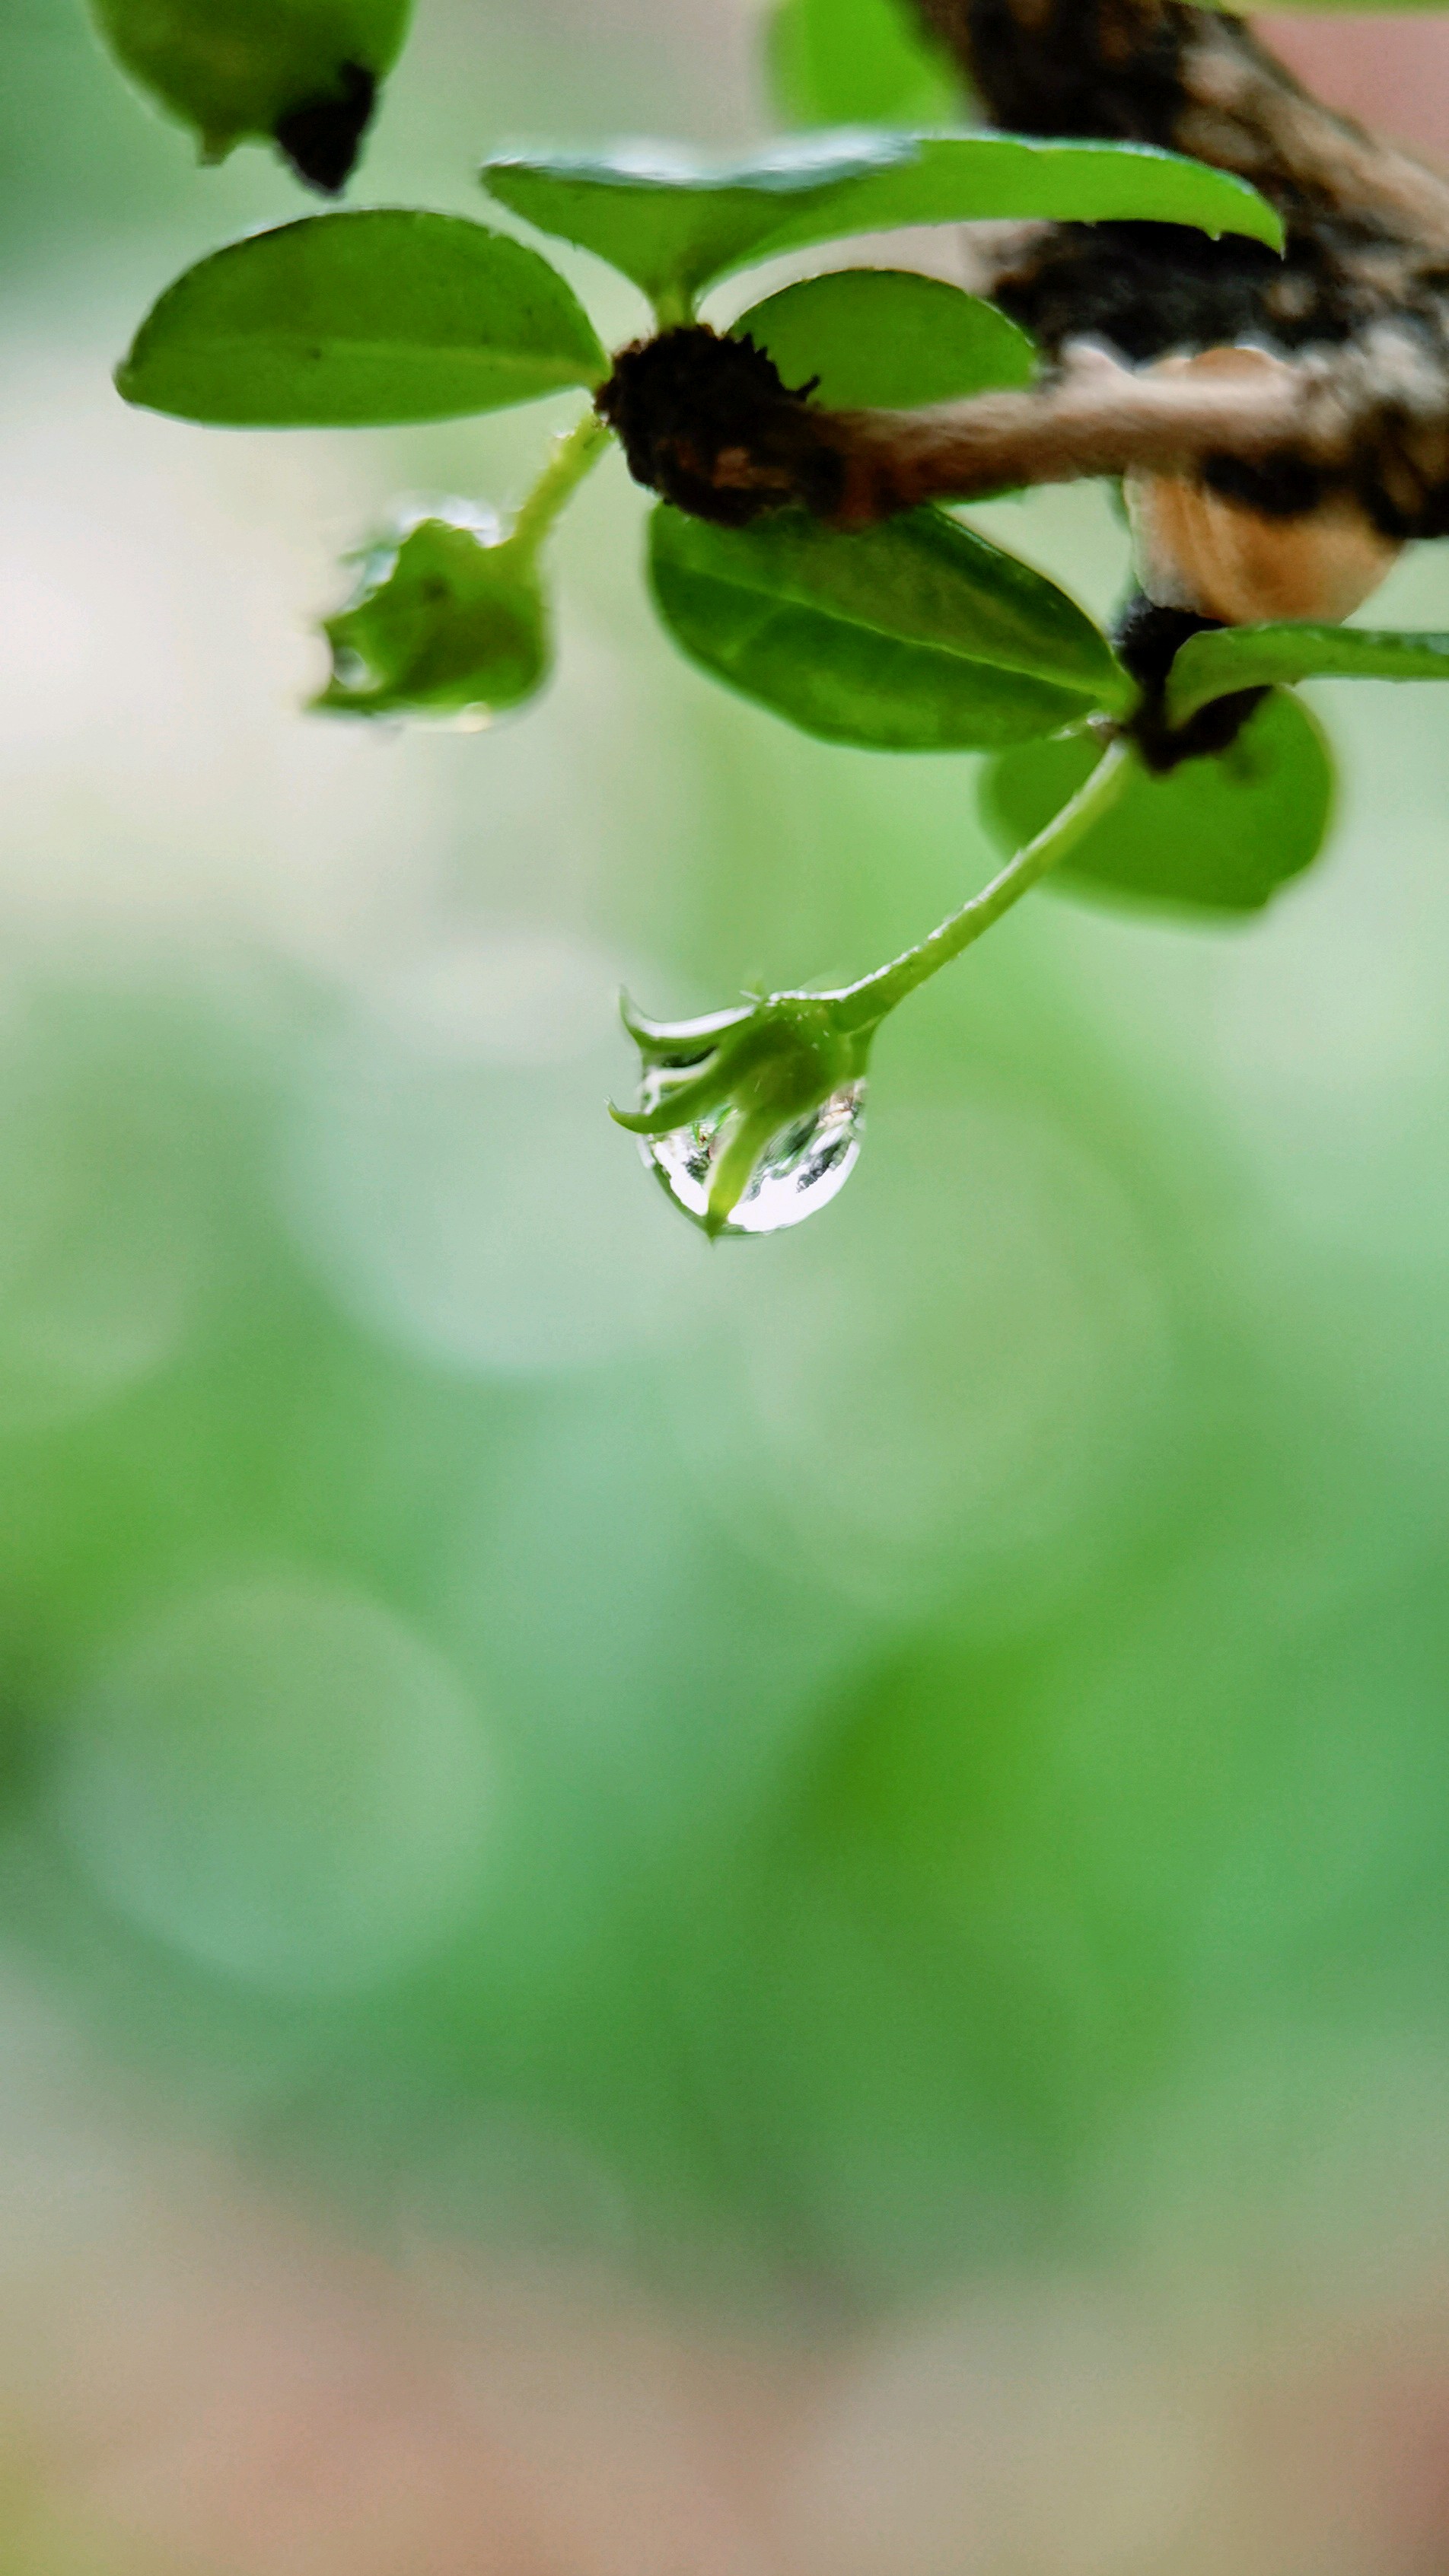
x,y
864,1005
572,458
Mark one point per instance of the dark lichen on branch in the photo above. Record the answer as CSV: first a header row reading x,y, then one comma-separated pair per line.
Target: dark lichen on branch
x,y
707,420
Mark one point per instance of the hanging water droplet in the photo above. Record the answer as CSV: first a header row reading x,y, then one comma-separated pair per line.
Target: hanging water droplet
x,y
801,1169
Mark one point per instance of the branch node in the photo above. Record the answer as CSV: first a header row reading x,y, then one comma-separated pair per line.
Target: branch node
x,y
707,420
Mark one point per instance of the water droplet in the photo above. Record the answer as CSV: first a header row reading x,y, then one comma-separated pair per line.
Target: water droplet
x,y
802,1169
349,669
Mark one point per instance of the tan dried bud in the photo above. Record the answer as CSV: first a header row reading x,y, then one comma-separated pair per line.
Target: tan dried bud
x,y
1197,549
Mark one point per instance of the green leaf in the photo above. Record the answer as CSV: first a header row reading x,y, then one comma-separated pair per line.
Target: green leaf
x,y
352,321
885,336
237,68
446,621
914,636
676,227
858,62
1219,835
1245,657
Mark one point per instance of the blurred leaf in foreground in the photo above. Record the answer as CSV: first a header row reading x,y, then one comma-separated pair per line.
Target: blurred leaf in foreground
x,y
1221,834
301,73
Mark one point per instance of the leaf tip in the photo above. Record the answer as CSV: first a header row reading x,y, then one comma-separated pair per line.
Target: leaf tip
x,y
128,379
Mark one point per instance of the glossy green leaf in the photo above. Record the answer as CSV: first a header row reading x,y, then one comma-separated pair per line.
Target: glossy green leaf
x,y
1219,835
447,621
1245,657
858,62
237,68
348,321
675,226
915,636
885,336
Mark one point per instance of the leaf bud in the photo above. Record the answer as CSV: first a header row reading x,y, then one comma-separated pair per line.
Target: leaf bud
x,y
752,1118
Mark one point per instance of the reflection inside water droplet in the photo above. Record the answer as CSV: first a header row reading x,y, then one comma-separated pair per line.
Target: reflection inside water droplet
x,y
349,669
801,1170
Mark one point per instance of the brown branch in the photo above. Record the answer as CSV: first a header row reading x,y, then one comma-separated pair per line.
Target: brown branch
x,y
1096,418
707,422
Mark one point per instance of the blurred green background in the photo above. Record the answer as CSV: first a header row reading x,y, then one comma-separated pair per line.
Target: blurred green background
x,y
904,1763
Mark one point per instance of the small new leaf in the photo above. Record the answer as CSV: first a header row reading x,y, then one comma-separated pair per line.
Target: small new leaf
x,y
914,636
1217,835
887,338
676,226
447,622
358,321
1245,657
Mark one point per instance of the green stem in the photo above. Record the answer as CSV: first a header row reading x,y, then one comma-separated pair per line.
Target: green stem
x,y
864,1005
674,308
572,457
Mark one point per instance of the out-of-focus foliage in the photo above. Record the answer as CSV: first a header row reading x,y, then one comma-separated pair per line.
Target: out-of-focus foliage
x,y
1223,834
857,62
